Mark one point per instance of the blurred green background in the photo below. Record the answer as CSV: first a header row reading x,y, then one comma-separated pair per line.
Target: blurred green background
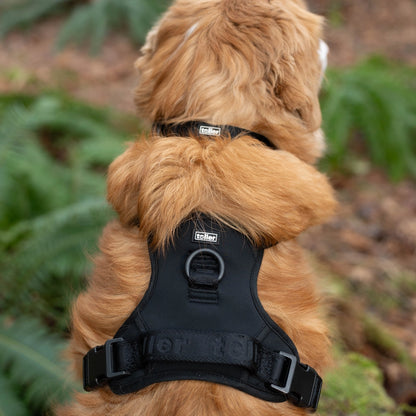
x,y
66,111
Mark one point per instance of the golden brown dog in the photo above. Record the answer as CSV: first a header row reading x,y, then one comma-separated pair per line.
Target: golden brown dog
x,y
248,63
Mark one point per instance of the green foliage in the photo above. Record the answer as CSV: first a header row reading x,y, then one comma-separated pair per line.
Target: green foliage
x,y
94,21
371,108
48,259
32,374
53,155
91,21
10,403
22,13
355,387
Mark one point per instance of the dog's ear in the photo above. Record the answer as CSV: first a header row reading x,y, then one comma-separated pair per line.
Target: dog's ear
x,y
293,75
123,181
148,48
297,85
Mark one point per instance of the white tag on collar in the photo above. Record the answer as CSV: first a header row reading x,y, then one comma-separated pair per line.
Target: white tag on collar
x,y
210,131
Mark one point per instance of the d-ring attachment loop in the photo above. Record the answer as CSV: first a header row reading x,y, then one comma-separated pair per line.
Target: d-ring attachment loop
x,y
210,253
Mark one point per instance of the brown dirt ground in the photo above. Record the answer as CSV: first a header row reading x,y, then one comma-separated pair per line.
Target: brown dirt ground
x,y
370,244
358,28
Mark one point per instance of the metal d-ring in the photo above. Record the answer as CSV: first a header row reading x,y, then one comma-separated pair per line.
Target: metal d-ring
x,y
210,252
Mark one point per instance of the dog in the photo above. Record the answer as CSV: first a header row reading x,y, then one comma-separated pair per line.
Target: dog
x,y
254,66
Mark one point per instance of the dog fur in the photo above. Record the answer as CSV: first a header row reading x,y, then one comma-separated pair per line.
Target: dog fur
x,y
252,64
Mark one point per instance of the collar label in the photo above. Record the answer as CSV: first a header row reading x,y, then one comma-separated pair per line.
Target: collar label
x,y
210,131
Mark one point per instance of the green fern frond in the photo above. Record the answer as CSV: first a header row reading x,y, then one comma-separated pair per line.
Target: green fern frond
x,y
86,215
53,153
97,151
64,103
90,22
65,116
76,28
10,403
32,181
375,103
49,259
24,13
141,16
23,165
30,359
94,21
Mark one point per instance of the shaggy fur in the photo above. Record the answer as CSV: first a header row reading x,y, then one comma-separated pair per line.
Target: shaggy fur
x,y
252,64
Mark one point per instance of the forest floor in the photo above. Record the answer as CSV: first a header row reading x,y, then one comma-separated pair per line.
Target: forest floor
x,y
369,248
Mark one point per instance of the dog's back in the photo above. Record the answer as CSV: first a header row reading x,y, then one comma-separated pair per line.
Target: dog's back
x,y
251,64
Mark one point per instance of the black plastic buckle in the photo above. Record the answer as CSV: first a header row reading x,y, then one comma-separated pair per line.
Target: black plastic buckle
x,y
309,395
98,365
302,384
285,389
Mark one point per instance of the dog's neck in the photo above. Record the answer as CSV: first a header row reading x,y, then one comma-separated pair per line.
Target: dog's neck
x,y
200,128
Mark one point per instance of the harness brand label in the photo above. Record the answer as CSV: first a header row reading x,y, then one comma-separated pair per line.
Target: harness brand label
x,y
209,131
204,237
204,346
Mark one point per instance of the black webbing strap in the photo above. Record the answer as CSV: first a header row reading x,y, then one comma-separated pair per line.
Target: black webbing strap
x,y
280,371
200,128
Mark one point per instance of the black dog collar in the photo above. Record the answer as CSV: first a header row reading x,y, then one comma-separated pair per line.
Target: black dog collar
x,y
200,128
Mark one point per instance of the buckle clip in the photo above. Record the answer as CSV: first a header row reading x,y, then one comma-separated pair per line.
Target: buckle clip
x,y
303,384
290,374
98,365
310,398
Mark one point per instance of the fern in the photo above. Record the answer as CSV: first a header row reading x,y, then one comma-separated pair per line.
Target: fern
x,y
87,22
94,21
53,153
24,13
372,105
32,181
50,259
23,164
10,403
31,371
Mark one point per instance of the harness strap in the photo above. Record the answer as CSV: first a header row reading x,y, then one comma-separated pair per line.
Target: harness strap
x,y
280,371
200,128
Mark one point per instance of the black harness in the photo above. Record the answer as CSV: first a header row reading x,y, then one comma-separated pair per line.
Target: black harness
x,y
201,319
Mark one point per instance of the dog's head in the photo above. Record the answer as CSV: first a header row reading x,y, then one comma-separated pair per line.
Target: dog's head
x,y
250,63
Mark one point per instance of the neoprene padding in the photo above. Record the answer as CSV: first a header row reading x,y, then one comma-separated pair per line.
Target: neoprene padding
x,y
168,304
201,319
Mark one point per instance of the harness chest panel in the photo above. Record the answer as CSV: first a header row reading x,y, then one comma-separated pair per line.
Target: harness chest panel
x,y
201,319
